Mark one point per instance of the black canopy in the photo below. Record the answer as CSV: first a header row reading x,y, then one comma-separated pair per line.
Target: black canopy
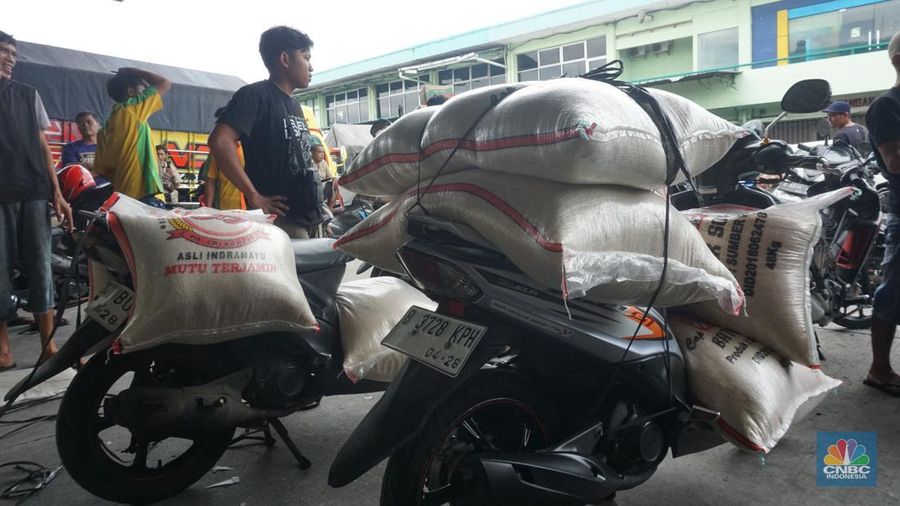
x,y
71,81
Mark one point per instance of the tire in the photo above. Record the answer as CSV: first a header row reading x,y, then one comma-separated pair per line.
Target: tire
x,y
859,316
498,400
86,438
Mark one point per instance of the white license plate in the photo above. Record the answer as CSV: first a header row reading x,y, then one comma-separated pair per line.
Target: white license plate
x,y
111,307
438,341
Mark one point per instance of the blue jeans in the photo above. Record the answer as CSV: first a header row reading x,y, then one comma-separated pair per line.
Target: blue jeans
x,y
25,236
886,305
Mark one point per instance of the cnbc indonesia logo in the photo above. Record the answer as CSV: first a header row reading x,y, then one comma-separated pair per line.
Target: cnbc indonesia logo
x,y
847,461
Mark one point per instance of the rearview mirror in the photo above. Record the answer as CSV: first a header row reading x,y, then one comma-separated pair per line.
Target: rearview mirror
x,y
809,95
823,128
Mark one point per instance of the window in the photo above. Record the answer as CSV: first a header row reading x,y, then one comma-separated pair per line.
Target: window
x,y
570,60
348,107
843,31
717,49
473,76
398,97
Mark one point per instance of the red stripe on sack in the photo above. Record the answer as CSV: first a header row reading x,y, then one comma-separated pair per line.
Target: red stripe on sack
x,y
377,164
512,142
750,445
344,239
479,192
817,367
470,145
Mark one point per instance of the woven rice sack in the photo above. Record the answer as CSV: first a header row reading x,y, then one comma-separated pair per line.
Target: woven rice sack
x,y
206,276
368,309
567,130
601,241
769,253
758,393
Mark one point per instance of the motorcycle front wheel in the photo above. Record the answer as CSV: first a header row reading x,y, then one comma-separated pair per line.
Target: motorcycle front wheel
x,y
117,464
493,412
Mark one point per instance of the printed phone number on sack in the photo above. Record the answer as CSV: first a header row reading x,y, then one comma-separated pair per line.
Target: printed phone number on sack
x,y
218,268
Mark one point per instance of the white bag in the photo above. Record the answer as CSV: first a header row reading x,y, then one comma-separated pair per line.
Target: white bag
x,y
568,130
388,165
601,241
757,392
206,276
769,252
368,309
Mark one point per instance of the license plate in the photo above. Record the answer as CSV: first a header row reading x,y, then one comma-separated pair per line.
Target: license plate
x,y
441,342
111,307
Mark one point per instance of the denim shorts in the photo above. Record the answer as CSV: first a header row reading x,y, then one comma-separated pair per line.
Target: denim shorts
x,y
886,305
25,244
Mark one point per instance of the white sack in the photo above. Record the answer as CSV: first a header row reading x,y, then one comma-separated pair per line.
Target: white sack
x,y
603,241
206,276
568,130
368,309
769,252
757,392
388,165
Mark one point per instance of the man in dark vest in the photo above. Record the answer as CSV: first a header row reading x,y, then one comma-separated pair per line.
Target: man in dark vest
x,y
29,187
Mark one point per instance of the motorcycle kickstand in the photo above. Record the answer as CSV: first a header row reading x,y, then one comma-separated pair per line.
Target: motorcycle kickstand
x,y
282,433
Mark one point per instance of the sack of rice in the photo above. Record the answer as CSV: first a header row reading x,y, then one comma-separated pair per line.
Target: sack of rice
x,y
205,276
368,309
568,130
575,131
758,393
769,252
604,242
389,164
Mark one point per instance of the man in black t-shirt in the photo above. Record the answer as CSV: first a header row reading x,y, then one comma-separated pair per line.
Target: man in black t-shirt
x,y
28,185
280,176
845,130
883,119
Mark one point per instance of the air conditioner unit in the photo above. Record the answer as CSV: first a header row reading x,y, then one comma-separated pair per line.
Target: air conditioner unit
x,y
637,52
662,47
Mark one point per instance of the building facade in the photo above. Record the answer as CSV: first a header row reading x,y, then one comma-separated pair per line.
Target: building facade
x,y
734,57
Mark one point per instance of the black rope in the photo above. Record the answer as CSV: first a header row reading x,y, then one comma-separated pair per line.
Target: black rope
x,y
610,74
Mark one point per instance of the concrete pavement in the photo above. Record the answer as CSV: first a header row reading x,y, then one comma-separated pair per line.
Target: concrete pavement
x,y
723,475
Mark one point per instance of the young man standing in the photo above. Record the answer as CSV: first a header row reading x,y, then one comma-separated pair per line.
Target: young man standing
x,y
82,152
125,153
280,176
883,119
29,185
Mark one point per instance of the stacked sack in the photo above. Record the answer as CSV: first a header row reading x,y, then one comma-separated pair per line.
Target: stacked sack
x,y
556,175
760,371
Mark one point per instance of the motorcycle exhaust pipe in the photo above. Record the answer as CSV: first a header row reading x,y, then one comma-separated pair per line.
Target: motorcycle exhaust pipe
x,y
554,478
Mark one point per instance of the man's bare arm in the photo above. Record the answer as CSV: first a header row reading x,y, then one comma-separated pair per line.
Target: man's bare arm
x,y
159,82
60,206
223,145
890,153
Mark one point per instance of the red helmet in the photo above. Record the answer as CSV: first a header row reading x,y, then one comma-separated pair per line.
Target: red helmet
x,y
73,180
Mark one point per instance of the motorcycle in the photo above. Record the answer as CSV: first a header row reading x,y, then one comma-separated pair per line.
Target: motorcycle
x,y
845,269
143,426
514,396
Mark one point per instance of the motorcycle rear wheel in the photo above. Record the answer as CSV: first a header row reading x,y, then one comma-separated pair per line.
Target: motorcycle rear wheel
x,y
493,412
86,435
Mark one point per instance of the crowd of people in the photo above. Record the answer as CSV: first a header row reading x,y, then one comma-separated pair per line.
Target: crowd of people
x,y
264,156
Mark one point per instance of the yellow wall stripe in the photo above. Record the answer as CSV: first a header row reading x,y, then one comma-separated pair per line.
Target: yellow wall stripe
x,y
782,37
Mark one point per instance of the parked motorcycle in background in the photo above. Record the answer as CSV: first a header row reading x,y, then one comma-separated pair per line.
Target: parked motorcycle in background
x,y
845,271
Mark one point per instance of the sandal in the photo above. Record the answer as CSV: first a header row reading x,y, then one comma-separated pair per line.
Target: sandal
x,y
892,389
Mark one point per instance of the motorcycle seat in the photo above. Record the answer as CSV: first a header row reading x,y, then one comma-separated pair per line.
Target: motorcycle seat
x,y
317,254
